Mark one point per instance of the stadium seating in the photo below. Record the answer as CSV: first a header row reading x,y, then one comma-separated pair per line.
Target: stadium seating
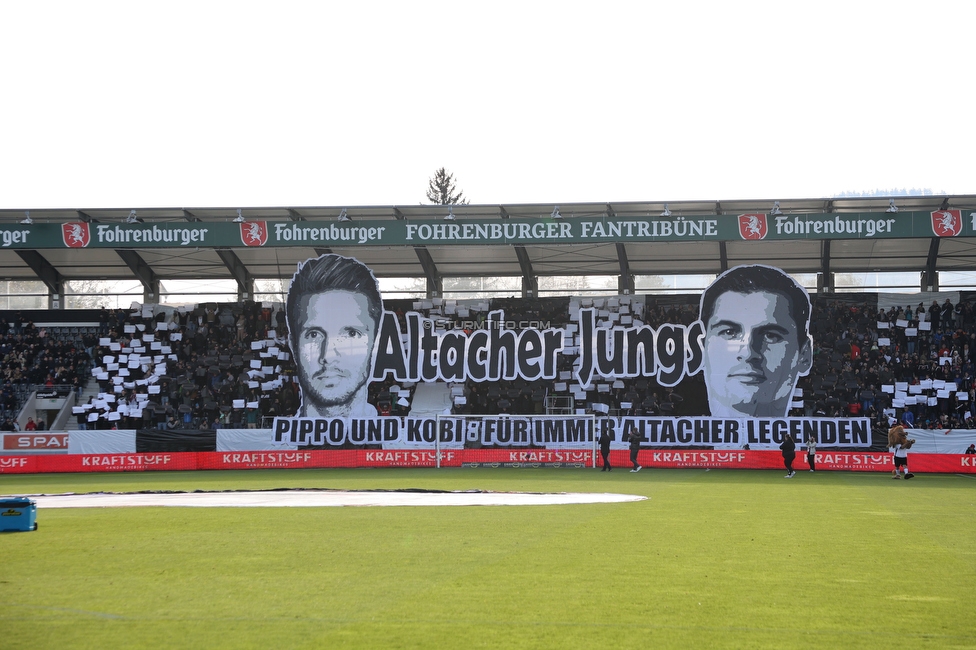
x,y
213,369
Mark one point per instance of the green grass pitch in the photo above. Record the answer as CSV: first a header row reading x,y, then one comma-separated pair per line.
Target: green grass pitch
x,y
714,559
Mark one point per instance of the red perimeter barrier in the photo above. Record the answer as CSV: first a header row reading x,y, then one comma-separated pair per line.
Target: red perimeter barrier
x,y
850,461
855,461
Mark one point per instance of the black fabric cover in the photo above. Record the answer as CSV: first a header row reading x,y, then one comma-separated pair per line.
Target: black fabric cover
x,y
159,440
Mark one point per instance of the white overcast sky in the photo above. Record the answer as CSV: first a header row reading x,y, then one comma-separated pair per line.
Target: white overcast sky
x,y
241,104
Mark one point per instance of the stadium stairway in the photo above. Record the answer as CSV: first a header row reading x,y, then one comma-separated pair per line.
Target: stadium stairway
x,y
91,390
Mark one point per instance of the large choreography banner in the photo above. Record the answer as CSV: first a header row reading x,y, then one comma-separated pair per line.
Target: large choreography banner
x,y
597,228
751,342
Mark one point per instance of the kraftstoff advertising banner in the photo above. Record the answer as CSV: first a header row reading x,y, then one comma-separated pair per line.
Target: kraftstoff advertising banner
x,y
742,459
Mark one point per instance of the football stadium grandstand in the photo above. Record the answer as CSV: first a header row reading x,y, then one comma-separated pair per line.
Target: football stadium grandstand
x,y
172,322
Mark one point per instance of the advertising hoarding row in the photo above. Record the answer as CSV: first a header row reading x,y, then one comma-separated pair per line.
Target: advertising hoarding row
x,y
702,459
474,232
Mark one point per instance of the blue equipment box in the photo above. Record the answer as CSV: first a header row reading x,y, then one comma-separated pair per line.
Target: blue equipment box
x,y
18,513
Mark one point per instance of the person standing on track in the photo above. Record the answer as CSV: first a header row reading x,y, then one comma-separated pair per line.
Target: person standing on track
x,y
605,450
635,441
789,453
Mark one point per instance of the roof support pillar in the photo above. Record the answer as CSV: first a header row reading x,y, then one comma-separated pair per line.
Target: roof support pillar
x,y
625,281
245,283
825,281
138,266
435,283
930,276
530,283
143,272
49,275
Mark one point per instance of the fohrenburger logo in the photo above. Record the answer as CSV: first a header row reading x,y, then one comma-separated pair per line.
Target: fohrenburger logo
x,y
254,233
946,223
752,226
75,234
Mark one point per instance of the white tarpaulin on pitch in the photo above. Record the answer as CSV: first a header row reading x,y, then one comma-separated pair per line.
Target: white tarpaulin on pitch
x,y
326,498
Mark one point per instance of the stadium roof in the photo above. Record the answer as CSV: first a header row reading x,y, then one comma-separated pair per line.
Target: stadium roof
x,y
620,256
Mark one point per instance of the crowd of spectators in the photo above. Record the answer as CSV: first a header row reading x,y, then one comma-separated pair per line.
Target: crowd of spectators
x,y
207,379
861,349
31,357
866,360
